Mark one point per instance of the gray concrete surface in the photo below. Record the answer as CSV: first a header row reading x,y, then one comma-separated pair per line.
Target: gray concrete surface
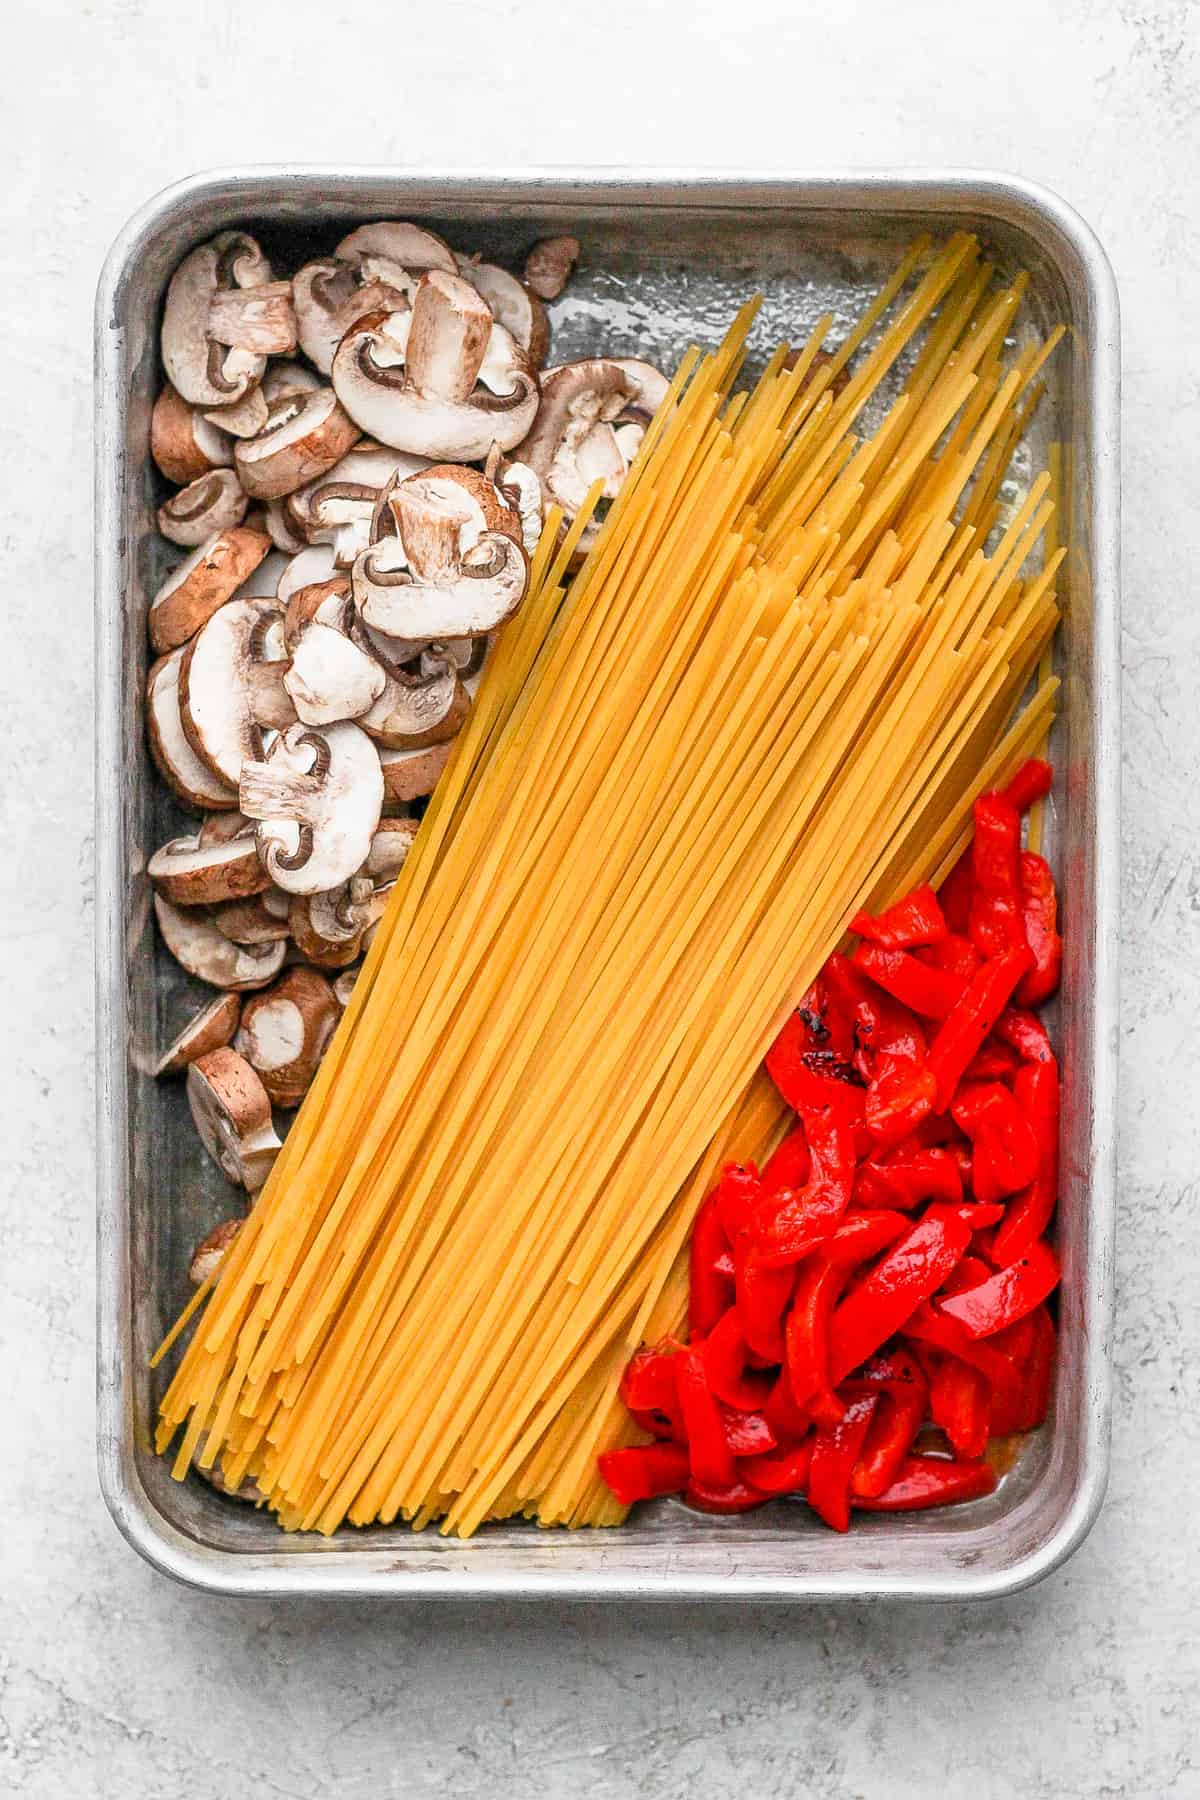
x,y
114,1684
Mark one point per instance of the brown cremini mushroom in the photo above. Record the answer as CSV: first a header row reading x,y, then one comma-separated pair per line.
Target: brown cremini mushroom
x,y
260,919
189,873
393,840
375,267
231,685
512,304
184,445
223,317
219,827
188,777
232,1112
285,1032
244,418
332,675
213,503
327,928
310,565
411,774
197,945
339,507
305,434
204,581
211,1251
317,797
210,1028
548,265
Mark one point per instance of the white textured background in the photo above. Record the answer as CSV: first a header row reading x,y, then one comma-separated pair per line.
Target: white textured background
x,y
113,1683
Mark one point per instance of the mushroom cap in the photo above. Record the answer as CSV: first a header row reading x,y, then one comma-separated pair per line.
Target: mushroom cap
x,y
512,304
232,1113
286,1030
323,601
548,265
188,777
371,382
183,443
317,796
338,507
211,1251
253,921
417,708
343,985
219,827
213,503
191,874
490,586
327,928
202,583
444,511
411,774
231,685
305,435
205,371
393,840
280,529
399,241
209,1029
315,563
204,952
330,296
331,677
245,418
591,421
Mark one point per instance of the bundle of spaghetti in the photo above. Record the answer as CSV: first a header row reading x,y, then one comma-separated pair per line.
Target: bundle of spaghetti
x,y
771,691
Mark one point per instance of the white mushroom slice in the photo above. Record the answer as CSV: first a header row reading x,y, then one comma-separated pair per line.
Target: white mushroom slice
x,y
317,798
280,529
286,1031
203,951
204,581
443,512
213,1026
343,985
511,304
323,602
253,921
206,507
285,378
304,435
262,583
411,774
231,685
417,707
490,586
211,1252
393,840
548,265
410,246
219,828
232,1112
205,370
373,382
339,507
183,443
331,296
327,928
308,567
245,418
332,678
189,779
522,489
192,874
259,318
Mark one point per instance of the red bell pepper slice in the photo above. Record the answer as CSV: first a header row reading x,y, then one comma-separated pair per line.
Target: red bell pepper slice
x,y
788,1166
930,1326
1032,781
955,954
807,1073
763,1291
779,1471
723,1497
930,992
747,1433
901,1095
1004,1150
882,1026
710,1290
788,1225
960,1402
644,1471
709,1455
882,1300
996,923
834,1453
916,919
903,1391
956,893
1007,1295
995,1062
806,1338
788,1420
1038,1374
1039,913
738,1192
1027,1216
962,1032
648,1382
863,1235
724,1351
906,1179
932,1481
1026,1034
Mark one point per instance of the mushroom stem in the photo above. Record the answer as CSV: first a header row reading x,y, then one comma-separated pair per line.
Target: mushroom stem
x,y
269,791
259,319
448,337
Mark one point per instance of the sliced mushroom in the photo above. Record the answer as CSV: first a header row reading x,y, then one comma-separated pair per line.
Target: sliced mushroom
x,y
548,265
286,1031
189,779
339,507
444,511
204,581
306,568
231,685
327,928
437,380
214,503
333,677
522,489
244,418
379,905
256,920
305,434
317,797
282,533
191,874
411,774
213,1026
200,948
420,705
393,840
323,601
490,585
215,328
283,379
400,243
343,985
376,266
184,445
211,1251
511,304
262,583
232,1112
220,827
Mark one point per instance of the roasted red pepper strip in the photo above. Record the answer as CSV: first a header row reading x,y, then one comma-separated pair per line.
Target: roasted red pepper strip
x,y
724,1352
835,1451
929,1325
931,992
709,1455
644,1471
881,1302
763,1291
907,1179
1039,913
903,1393
931,1481
1004,1150
723,1497
882,1026
916,919
996,923
1007,1296
955,954
789,1166
962,1032
995,1062
738,1192
1039,1373
901,1095
1032,781
862,1236
648,1383
1026,1034
779,1471
747,1433
807,1333
710,1291
807,1073
960,1402
1027,1216
787,1420
788,1225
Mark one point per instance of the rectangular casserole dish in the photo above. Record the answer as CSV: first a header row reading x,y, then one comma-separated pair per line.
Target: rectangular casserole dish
x,y
667,258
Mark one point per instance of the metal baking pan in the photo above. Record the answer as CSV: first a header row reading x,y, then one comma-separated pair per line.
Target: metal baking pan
x,y
667,256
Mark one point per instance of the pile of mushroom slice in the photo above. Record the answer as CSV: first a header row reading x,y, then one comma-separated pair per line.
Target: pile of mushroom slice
x,y
360,455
